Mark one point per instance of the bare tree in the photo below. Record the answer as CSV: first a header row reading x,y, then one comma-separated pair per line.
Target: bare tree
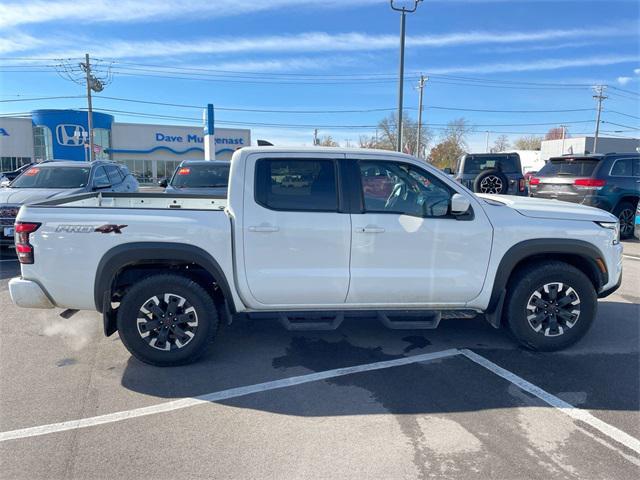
x,y
501,144
328,141
387,135
555,133
530,142
452,145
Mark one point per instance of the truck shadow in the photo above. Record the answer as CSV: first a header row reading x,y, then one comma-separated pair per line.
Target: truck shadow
x,y
600,372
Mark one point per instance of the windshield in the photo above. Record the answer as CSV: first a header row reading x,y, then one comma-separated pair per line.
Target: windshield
x,y
201,176
505,163
570,167
52,177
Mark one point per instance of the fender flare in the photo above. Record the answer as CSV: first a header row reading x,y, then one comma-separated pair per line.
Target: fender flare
x,y
157,252
529,248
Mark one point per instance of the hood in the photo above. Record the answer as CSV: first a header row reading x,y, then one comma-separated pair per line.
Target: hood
x,y
21,196
552,209
215,191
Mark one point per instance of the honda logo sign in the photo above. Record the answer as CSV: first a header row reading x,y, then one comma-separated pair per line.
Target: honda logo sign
x,y
70,135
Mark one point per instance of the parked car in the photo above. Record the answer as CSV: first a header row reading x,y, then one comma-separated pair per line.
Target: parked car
x,y
610,182
636,231
200,177
7,177
494,173
166,270
54,179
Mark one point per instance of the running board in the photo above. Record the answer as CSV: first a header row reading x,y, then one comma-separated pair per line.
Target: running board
x,y
307,321
410,320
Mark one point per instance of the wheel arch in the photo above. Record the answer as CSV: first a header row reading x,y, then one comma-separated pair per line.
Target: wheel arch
x,y
580,254
148,256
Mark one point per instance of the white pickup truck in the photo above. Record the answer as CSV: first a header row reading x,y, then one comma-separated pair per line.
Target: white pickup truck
x,y
371,231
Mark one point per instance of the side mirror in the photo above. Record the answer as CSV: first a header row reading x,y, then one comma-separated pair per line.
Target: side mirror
x,y
163,183
460,204
448,171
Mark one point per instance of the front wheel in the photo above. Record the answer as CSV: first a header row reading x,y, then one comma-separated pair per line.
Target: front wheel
x,y
167,320
626,213
550,306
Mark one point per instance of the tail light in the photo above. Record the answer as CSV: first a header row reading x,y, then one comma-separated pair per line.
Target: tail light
x,y
23,248
590,183
521,185
534,181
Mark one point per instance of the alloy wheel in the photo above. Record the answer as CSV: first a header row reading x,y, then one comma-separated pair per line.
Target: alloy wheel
x,y
167,322
552,309
491,184
626,218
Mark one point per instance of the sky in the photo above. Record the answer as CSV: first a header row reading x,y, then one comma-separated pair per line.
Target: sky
x,y
286,67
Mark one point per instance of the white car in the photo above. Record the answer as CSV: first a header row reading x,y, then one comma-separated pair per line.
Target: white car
x,y
165,270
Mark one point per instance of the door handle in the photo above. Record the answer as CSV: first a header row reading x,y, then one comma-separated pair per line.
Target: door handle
x,y
264,228
370,229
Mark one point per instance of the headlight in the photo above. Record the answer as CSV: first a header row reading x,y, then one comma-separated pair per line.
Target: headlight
x,y
615,226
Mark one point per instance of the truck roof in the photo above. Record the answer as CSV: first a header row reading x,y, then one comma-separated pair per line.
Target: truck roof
x,y
317,149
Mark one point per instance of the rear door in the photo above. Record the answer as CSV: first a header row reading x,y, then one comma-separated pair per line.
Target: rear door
x,y
406,247
296,238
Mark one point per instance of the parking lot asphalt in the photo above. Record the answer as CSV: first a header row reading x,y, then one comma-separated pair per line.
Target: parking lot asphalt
x,y
268,403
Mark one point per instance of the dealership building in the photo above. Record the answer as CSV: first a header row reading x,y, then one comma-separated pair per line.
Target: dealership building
x,y
150,151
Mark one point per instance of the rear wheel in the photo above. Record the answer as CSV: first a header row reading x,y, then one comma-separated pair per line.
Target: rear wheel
x,y
626,213
167,320
491,181
550,306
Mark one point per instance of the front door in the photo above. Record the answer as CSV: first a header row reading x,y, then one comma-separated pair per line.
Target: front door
x,y
296,243
407,249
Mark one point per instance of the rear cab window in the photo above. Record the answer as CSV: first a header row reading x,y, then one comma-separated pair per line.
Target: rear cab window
x,y
296,185
474,164
569,167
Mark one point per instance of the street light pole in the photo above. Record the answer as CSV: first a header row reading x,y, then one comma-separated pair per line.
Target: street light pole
x,y
403,14
423,79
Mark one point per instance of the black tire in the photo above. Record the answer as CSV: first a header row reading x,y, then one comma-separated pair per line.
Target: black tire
x,y
494,177
626,213
198,307
537,330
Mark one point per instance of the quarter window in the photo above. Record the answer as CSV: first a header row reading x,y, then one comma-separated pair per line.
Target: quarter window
x,y
392,187
622,168
297,185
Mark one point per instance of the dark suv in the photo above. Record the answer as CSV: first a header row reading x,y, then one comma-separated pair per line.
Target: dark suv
x,y
610,181
497,173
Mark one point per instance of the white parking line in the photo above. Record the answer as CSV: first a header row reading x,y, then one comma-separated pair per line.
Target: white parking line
x,y
632,257
575,413
217,396
578,414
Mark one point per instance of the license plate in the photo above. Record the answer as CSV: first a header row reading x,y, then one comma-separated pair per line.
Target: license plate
x,y
8,231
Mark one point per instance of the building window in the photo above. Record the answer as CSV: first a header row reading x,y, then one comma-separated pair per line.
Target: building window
x,y
102,138
9,164
42,143
142,170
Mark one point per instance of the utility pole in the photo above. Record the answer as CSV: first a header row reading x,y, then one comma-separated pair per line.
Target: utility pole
x,y
486,149
423,79
564,134
600,97
403,13
315,137
87,69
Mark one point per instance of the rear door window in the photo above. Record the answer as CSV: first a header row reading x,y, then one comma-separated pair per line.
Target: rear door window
x,y
114,174
297,185
622,168
569,167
